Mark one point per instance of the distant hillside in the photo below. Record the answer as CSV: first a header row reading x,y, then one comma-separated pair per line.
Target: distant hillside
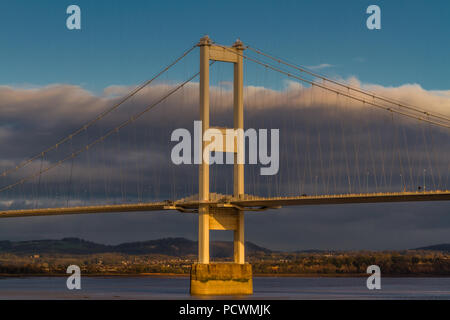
x,y
169,246
445,247
175,247
66,245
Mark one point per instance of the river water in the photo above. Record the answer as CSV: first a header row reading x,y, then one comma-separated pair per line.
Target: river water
x,y
264,288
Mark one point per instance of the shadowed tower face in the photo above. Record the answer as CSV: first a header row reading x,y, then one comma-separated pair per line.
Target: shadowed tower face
x,y
221,218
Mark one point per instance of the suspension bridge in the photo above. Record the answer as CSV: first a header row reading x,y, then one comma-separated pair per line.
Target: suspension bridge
x,y
357,161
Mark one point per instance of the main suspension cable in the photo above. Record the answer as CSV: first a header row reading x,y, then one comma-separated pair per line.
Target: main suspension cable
x,y
102,138
314,83
359,90
98,118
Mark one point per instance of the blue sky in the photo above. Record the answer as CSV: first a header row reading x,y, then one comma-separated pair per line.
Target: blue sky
x,y
125,42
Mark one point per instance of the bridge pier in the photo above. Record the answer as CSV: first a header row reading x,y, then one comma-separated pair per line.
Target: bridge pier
x,y
221,278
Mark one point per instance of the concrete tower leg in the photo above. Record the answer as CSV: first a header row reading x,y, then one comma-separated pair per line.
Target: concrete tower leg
x,y
203,183
238,176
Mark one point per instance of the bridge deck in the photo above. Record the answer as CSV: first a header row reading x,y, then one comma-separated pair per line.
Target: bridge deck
x,y
347,198
248,203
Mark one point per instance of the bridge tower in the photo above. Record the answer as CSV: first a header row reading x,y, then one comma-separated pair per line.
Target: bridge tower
x,y
221,278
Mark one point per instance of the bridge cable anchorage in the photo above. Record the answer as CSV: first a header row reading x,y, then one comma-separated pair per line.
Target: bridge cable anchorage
x,y
291,75
102,138
349,87
99,117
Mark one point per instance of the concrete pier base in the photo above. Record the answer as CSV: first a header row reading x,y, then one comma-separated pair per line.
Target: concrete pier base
x,y
221,279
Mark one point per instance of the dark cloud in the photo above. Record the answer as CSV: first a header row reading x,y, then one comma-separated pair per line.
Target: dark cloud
x,y
328,144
